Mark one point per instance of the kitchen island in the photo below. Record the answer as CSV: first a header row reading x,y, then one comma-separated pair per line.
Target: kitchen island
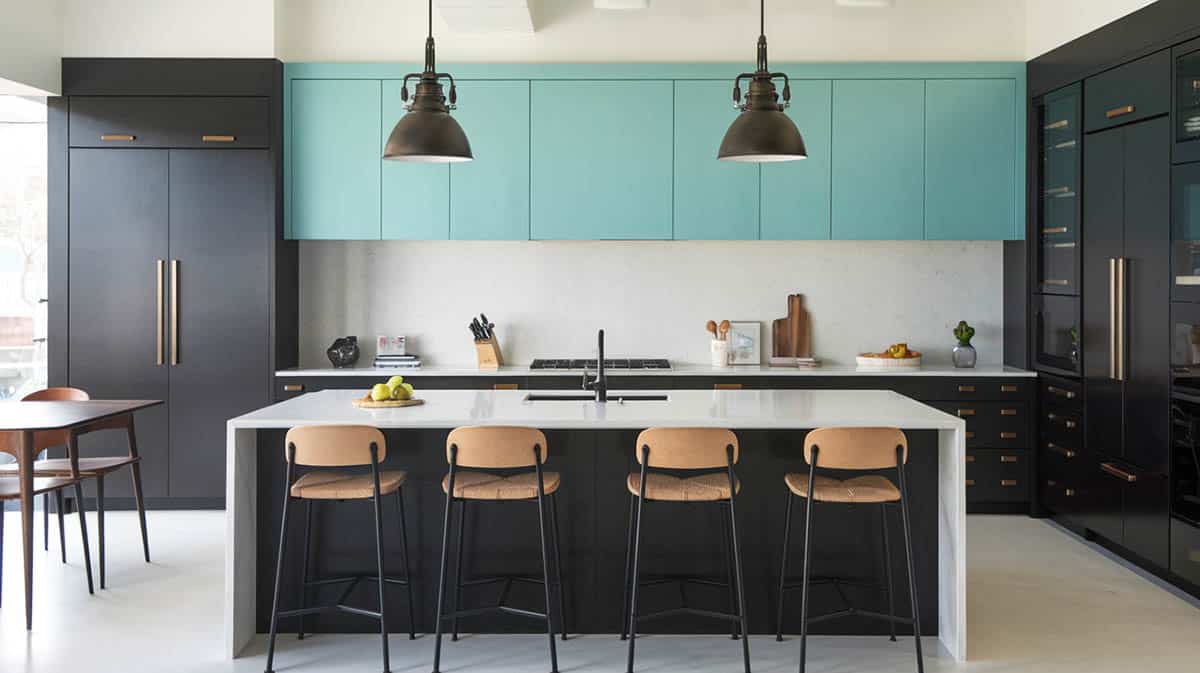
x,y
592,446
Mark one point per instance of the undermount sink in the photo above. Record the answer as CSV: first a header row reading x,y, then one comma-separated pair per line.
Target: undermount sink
x,y
584,397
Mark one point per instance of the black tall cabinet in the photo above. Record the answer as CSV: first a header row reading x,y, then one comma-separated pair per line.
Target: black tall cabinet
x,y
170,278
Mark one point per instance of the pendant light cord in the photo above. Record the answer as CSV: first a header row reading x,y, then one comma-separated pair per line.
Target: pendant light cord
x,y
762,21
430,18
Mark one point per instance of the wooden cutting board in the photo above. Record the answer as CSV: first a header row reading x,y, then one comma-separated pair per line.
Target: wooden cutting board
x,y
368,403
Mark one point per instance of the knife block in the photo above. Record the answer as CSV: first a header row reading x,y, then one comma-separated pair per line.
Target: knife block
x,y
487,354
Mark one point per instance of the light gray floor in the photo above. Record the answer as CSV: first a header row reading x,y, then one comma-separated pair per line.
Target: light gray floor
x,y
1039,601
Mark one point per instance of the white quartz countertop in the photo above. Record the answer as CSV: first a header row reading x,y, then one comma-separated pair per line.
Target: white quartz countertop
x,y
676,370
762,409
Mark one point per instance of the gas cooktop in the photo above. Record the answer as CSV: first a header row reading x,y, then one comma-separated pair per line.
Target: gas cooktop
x,y
615,363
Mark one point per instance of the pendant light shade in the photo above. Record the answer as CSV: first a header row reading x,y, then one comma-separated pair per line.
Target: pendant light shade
x,y
762,132
427,133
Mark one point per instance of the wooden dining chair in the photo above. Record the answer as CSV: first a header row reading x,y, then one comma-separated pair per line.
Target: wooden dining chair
x,y
88,468
10,489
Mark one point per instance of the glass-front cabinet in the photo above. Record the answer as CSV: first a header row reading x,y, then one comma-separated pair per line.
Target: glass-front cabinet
x,y
1060,141
1056,325
1185,233
1187,101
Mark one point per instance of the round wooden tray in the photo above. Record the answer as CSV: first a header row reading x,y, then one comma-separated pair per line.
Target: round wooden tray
x,y
368,403
888,363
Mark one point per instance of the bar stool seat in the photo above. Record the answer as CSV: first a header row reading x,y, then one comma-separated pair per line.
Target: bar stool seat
x,y
866,489
87,466
475,485
709,487
327,485
11,488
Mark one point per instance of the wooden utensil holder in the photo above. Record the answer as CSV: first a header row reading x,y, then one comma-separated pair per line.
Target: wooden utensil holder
x,y
487,354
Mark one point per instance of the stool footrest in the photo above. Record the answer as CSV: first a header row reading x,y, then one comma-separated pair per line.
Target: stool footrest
x,y
688,611
866,584
355,578
501,578
857,612
340,607
473,612
686,579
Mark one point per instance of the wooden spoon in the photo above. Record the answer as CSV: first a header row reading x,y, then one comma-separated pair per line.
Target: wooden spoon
x,y
724,330
711,326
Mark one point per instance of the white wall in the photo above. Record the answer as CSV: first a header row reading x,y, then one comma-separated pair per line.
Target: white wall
x,y
30,47
652,298
170,28
1053,23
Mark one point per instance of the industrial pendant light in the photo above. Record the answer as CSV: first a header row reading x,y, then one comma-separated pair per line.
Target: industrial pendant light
x,y
762,132
427,132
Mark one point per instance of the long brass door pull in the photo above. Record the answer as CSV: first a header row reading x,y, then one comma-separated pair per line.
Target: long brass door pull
x,y
174,312
158,312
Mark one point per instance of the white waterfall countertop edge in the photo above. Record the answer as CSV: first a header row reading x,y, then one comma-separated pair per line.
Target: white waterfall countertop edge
x,y
747,409
679,369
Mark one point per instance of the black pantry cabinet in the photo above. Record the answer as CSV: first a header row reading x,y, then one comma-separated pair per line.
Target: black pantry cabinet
x,y
169,275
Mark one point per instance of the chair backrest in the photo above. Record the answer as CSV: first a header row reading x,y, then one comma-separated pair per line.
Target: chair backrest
x,y
496,446
688,448
856,448
335,445
57,395
44,439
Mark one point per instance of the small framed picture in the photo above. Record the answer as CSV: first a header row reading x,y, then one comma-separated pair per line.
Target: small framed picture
x,y
745,343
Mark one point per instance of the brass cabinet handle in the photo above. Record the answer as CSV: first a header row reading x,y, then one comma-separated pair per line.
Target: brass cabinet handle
x,y
1064,452
970,435
505,386
966,389
1120,354
1112,317
1053,390
1009,459
293,387
217,139
970,482
1119,111
1060,124
727,386
174,312
1008,482
970,458
1008,435
1070,493
1067,423
1055,281
1117,472
1057,190
1008,388
117,136
966,412
158,313
1054,230
1008,412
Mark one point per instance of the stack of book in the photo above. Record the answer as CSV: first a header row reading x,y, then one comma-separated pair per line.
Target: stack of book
x,y
409,361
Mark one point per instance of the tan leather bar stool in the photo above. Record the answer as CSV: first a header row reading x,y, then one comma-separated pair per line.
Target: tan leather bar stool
x,y
339,446
500,450
857,449
691,449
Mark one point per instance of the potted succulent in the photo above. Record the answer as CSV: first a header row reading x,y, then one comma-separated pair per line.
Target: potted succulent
x,y
964,353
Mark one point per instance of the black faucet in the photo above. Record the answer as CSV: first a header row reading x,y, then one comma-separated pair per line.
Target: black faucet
x,y
600,383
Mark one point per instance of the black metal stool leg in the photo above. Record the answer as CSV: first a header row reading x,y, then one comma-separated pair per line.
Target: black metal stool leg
x,y
783,563
808,510
458,568
887,567
287,482
633,580
737,564
308,508
100,526
628,562
441,595
383,631
62,529
541,500
408,585
912,581
729,575
83,534
558,567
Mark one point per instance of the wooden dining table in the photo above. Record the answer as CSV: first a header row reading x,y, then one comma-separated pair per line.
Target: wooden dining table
x,y
28,418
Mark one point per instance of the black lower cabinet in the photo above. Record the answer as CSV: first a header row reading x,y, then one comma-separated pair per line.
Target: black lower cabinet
x,y
1185,551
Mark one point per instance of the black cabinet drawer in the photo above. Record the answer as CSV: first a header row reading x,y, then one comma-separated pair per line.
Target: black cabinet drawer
x,y
992,425
1147,520
1058,393
948,388
1136,90
169,122
1185,551
997,475
1061,427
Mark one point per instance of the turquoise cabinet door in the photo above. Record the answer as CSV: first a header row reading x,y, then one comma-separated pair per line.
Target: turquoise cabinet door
x,y
878,162
489,197
795,194
601,157
416,196
713,199
333,160
971,159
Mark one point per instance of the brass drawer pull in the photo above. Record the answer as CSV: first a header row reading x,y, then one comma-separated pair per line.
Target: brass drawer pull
x,y
1008,412
1008,388
966,389
1008,482
1119,111
1058,190
1070,493
118,136
506,386
1054,230
1054,390
970,482
727,386
970,458
1008,435
218,139
1117,472
966,412
1060,124
1067,423
970,435
1064,452
1009,459
1056,281
293,387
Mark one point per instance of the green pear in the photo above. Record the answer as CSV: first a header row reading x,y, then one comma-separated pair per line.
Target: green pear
x,y
402,392
380,392
394,381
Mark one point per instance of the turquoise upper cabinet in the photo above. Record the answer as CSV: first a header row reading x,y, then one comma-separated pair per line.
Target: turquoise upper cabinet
x,y
601,155
416,196
333,159
489,197
795,194
713,199
878,160
971,159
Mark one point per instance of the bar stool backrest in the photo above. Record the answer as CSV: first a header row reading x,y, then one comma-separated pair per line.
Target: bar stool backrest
x,y
687,448
856,448
335,445
45,439
496,446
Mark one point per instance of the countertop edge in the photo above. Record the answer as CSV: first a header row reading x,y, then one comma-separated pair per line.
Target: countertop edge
x,y
682,370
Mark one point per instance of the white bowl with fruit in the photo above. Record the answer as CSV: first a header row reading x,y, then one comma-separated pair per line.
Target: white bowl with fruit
x,y
897,356
390,394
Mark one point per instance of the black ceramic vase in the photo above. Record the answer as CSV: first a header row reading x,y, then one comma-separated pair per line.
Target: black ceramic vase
x,y
343,352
